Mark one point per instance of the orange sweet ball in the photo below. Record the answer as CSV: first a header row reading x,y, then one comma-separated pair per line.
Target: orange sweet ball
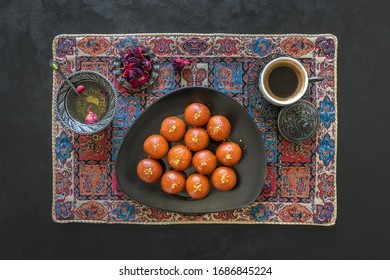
x,y
224,178
197,186
155,146
228,153
204,162
173,182
149,170
197,114
219,128
196,139
173,129
179,157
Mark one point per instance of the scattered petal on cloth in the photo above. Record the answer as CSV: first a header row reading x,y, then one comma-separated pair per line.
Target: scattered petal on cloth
x,y
179,63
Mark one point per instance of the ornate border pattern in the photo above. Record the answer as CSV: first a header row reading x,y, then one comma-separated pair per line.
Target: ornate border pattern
x,y
300,187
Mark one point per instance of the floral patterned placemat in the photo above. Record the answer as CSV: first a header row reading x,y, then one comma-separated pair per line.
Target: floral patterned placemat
x,y
300,185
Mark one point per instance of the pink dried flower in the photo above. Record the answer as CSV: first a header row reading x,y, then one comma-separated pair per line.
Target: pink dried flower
x,y
91,118
180,63
140,51
139,81
80,88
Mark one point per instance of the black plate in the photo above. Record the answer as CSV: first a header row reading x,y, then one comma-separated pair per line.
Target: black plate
x,y
250,170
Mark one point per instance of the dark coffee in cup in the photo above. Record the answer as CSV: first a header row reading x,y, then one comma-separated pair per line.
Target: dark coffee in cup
x,y
283,81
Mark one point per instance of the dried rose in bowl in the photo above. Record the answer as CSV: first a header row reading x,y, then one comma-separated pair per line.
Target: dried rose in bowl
x,y
137,66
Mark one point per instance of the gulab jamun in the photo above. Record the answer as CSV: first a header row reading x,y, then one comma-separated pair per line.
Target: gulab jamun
x,y
224,178
196,139
197,186
173,129
156,146
173,182
204,162
197,114
219,128
149,170
228,153
179,157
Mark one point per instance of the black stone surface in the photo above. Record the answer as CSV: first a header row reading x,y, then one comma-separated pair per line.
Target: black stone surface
x,y
26,228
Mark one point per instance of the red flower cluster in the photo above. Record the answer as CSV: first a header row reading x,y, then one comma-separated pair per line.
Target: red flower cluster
x,y
136,67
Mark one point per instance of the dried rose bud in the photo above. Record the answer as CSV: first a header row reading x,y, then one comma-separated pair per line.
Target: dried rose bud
x,y
179,64
80,88
136,67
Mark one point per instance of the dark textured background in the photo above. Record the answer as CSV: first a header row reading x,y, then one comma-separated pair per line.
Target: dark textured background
x,y
363,225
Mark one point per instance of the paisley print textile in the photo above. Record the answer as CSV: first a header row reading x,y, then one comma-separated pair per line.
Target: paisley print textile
x,y
295,182
326,149
196,75
228,77
91,210
63,210
261,212
93,180
63,147
262,46
295,213
162,46
325,47
300,183
296,152
194,46
327,112
93,45
297,46
93,147
65,46
123,211
227,46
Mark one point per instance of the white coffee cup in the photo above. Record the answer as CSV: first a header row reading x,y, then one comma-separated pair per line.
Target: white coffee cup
x,y
284,81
